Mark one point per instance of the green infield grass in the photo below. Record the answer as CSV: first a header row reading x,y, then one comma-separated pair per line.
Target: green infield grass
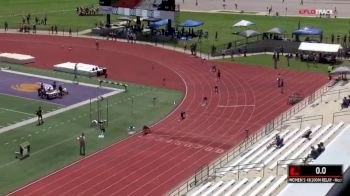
x,y
54,144
14,109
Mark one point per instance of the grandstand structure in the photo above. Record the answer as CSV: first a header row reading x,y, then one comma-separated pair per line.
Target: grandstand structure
x,y
253,169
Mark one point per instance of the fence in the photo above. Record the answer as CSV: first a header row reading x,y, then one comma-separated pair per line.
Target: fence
x,y
206,171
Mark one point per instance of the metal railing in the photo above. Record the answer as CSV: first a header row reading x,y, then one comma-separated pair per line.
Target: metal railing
x,y
335,92
340,114
303,119
260,165
207,171
279,163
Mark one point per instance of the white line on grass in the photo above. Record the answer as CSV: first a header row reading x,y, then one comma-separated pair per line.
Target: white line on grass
x,y
17,111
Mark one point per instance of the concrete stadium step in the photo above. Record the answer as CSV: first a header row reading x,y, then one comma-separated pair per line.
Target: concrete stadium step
x,y
236,187
224,187
275,185
271,150
263,185
249,186
308,144
295,146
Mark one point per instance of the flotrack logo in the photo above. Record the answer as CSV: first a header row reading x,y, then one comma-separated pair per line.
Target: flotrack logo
x,y
316,11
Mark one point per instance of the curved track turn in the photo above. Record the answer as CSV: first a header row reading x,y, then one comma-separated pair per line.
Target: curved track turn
x,y
154,164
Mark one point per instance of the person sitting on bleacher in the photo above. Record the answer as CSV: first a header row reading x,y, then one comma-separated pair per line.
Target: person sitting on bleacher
x,y
345,103
279,141
313,154
320,148
307,134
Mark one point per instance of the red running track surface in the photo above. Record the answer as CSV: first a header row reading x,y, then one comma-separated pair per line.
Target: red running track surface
x,y
154,164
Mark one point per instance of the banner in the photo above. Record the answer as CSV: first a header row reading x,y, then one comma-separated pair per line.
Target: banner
x,y
163,9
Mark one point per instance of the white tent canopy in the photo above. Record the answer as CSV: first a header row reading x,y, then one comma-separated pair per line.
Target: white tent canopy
x,y
320,47
243,23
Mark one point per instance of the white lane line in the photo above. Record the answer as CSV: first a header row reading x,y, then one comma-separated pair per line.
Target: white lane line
x,y
234,106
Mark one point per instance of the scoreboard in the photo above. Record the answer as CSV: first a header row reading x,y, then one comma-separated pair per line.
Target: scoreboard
x,y
315,173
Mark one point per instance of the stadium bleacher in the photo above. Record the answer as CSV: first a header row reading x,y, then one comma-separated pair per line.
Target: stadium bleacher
x,y
274,161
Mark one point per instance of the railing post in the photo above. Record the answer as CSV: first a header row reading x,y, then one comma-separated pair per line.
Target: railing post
x,y
263,170
238,172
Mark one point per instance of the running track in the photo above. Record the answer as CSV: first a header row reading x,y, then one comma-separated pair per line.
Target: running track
x,y
154,164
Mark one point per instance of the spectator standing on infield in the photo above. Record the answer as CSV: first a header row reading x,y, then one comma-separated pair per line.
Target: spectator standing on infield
x,y
34,28
6,26
39,114
55,29
81,140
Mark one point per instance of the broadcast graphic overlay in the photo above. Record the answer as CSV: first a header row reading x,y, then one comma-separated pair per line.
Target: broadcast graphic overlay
x,y
315,174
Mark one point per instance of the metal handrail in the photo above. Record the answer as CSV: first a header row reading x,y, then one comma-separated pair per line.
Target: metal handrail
x,y
342,113
279,163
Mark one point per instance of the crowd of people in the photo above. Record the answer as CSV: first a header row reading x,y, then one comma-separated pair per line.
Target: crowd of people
x,y
87,11
315,152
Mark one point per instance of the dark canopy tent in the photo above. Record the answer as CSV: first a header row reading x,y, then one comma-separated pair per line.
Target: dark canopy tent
x,y
276,30
152,19
191,23
124,18
249,33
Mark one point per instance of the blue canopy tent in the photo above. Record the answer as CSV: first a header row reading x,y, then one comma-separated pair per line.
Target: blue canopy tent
x,y
307,30
191,23
156,25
